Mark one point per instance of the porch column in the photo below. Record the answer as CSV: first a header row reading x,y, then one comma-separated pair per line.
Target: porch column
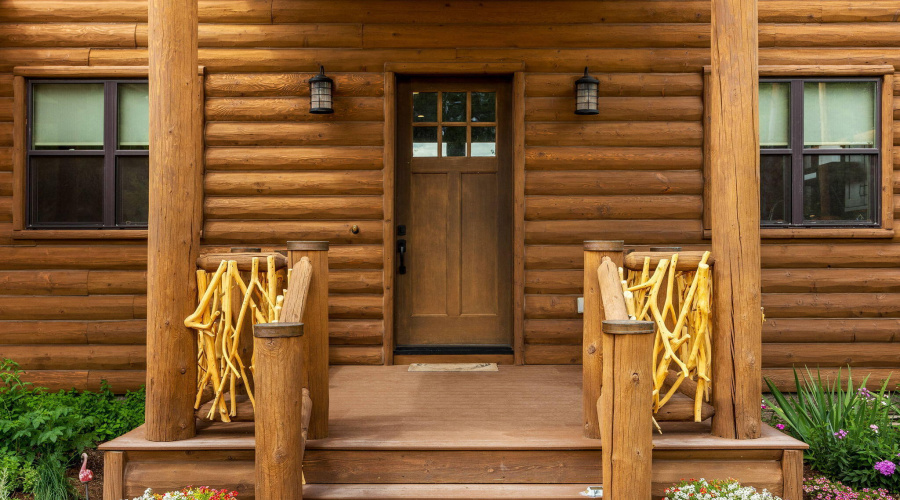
x,y
734,156
174,235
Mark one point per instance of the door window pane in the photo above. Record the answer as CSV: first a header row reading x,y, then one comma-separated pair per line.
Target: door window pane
x,y
454,107
484,106
134,116
425,142
484,141
453,141
67,116
774,186
132,190
839,114
425,106
67,190
837,188
774,115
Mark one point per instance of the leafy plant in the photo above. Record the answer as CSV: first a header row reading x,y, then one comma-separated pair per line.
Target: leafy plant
x,y
849,430
51,479
726,489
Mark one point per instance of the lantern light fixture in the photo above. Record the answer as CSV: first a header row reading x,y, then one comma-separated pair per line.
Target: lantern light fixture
x,y
321,89
587,90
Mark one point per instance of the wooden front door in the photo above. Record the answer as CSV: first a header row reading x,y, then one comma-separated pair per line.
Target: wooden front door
x,y
454,213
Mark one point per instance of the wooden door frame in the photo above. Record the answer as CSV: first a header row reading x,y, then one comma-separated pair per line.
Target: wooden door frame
x,y
518,165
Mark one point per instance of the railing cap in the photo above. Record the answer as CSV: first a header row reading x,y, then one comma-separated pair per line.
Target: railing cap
x,y
605,245
277,330
307,245
628,327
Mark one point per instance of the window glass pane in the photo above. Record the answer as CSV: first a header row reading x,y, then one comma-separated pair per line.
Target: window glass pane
x,y
134,116
774,115
67,116
484,106
839,114
774,188
838,188
132,190
453,141
484,141
424,106
67,190
425,141
454,107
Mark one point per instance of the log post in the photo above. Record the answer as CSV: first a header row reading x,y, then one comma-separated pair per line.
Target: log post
x,y
315,319
628,387
113,475
734,182
173,239
279,406
592,354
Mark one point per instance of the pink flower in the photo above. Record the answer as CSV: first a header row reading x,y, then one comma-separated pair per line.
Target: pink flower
x,y
840,434
886,467
779,427
874,428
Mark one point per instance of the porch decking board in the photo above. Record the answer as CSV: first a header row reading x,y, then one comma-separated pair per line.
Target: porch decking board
x,y
395,434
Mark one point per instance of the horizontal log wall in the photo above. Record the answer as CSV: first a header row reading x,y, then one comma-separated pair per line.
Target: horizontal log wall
x,y
72,311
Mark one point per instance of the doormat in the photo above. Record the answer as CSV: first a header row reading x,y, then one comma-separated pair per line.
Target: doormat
x,y
453,367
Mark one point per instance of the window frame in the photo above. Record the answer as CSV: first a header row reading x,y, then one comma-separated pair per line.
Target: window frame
x,y
110,153
798,151
886,196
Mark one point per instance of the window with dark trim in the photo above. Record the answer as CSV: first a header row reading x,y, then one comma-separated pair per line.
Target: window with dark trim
x,y
87,154
820,157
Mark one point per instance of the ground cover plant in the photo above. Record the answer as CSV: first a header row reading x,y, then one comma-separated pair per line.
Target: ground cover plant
x,y
725,489
42,432
850,430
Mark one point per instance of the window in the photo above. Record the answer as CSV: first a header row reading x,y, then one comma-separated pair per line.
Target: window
x,y
454,124
820,155
86,150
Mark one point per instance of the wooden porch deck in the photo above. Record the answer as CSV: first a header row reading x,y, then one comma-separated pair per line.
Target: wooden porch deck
x,y
515,433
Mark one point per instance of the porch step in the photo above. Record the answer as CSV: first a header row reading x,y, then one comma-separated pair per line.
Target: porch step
x,y
442,491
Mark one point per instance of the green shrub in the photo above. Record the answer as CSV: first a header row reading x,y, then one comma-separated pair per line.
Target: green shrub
x,y
42,432
850,431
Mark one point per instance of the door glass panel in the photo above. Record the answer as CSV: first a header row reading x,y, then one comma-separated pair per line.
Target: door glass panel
x,y
774,185
67,116
425,106
484,107
839,115
774,115
837,188
454,107
67,190
132,190
425,142
484,141
134,116
453,141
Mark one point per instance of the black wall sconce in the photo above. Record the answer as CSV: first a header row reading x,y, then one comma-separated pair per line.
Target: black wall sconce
x,y
587,90
320,94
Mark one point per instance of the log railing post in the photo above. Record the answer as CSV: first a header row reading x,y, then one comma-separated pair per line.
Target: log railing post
x,y
173,232
315,319
592,354
627,453
734,180
279,406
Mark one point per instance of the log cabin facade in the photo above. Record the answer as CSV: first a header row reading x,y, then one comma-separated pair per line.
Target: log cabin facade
x,y
73,303
670,160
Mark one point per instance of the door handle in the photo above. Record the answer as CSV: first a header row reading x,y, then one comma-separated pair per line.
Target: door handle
x,y
401,250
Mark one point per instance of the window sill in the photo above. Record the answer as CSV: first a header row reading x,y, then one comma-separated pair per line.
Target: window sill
x,y
774,233
79,234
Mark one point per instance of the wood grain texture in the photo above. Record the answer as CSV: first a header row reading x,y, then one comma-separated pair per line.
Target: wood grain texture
x,y
734,160
174,239
113,474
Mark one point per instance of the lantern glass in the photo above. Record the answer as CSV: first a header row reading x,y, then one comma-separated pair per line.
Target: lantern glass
x,y
587,89
321,89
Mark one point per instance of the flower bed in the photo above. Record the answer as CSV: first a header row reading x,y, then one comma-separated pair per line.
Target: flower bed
x,y
725,489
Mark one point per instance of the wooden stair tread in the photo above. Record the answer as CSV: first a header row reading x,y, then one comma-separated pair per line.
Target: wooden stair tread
x,y
442,491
